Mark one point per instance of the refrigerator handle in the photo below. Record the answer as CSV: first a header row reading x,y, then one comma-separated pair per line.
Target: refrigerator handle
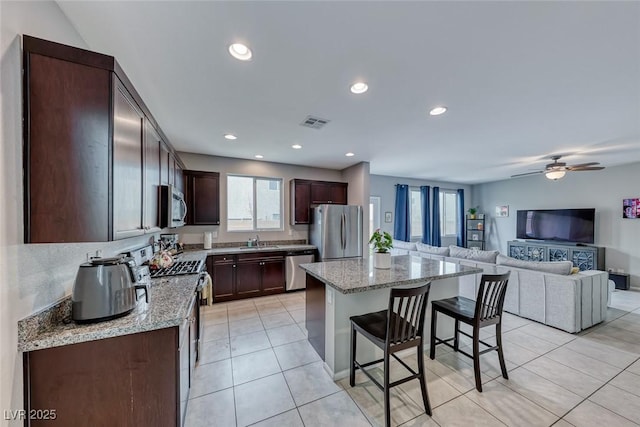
x,y
343,231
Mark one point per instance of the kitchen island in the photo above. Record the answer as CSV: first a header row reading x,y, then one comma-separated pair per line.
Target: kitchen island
x,y
337,290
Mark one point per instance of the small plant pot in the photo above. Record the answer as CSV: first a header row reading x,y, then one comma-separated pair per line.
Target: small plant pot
x,y
382,260
472,216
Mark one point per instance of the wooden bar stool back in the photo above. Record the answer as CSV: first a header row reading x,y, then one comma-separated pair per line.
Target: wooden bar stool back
x,y
486,310
397,328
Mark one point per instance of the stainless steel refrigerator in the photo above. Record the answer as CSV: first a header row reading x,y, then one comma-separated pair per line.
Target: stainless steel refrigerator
x,y
336,231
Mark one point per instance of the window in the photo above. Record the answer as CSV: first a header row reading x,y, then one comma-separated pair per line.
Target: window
x,y
416,214
448,213
254,203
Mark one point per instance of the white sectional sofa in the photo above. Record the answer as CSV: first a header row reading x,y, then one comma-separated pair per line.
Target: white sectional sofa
x,y
546,292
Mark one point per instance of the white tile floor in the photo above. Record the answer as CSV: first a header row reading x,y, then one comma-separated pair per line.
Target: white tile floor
x,y
258,369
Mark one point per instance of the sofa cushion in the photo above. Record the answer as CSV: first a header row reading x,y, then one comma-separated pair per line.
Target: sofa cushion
x,y
475,254
409,246
437,250
556,267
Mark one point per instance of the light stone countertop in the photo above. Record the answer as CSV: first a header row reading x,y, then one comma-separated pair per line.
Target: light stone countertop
x,y
358,275
169,302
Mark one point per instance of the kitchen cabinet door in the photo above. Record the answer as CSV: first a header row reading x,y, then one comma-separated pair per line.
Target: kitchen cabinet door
x,y
151,179
338,193
273,276
222,271
202,197
66,187
172,170
248,276
183,372
127,165
164,164
320,193
300,200
179,178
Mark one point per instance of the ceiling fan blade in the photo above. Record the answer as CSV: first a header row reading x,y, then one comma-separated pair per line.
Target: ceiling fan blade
x,y
586,168
584,164
526,174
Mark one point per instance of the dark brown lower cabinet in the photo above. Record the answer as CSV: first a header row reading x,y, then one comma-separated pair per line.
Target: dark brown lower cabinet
x,y
132,380
246,275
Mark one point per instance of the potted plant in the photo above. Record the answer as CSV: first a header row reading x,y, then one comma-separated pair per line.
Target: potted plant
x,y
382,244
472,212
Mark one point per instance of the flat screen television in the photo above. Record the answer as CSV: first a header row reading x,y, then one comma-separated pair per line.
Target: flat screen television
x,y
565,225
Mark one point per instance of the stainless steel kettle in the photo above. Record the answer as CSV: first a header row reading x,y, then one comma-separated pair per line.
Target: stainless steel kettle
x,y
105,288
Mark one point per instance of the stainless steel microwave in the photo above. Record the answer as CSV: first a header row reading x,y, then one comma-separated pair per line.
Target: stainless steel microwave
x,y
173,209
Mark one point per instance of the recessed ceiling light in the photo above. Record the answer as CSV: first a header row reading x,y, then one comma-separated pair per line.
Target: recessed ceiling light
x,y
240,51
259,156
350,154
230,136
296,146
438,110
359,87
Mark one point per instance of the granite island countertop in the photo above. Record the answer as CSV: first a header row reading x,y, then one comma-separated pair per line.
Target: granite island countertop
x,y
358,275
169,302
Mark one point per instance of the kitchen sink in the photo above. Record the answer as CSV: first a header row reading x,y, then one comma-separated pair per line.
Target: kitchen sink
x,y
260,247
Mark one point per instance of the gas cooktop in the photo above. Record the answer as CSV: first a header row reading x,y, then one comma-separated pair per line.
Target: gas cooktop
x,y
179,268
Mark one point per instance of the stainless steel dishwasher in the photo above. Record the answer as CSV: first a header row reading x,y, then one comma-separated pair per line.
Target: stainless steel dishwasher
x,y
296,275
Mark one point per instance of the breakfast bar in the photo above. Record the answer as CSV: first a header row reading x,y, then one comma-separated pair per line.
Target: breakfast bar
x,y
337,290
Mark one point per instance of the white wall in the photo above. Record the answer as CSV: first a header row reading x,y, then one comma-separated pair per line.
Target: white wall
x,y
602,190
227,165
32,277
385,188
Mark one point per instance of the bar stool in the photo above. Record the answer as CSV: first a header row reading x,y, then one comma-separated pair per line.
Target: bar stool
x,y
397,328
486,310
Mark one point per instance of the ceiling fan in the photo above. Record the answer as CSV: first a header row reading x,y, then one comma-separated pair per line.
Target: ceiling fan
x,y
557,170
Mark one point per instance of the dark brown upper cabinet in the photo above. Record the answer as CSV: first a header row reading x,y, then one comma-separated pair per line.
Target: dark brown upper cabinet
x,y
92,150
202,197
305,194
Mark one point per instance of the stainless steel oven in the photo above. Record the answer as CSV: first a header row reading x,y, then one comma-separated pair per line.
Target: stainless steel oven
x,y
173,209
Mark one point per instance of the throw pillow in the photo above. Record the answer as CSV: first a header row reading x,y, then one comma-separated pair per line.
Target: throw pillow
x,y
437,250
555,267
399,244
474,254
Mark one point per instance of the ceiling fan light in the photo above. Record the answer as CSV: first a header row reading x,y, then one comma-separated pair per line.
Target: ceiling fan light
x,y
555,175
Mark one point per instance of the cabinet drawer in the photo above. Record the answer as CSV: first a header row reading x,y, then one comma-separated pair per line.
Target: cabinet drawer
x,y
261,256
222,258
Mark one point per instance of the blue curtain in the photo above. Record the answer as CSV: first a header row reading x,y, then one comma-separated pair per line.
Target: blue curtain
x,y
460,231
426,215
435,216
402,225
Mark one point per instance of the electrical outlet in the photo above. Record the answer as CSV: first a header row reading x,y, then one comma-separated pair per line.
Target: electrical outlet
x,y
290,232
214,234
329,296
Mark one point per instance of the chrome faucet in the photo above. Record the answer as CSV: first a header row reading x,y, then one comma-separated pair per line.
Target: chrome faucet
x,y
257,240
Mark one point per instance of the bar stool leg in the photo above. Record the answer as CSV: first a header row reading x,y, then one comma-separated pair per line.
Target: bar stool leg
x,y
352,358
456,336
503,366
423,379
476,358
387,406
432,347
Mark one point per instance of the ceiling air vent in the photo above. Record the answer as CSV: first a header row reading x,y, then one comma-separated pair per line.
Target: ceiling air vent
x,y
314,122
